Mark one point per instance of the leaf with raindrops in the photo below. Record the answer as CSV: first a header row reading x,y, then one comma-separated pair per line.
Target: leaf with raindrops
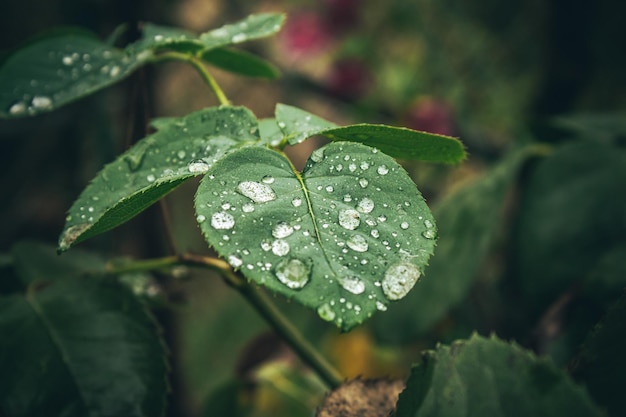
x,y
61,68
253,27
182,148
346,237
297,125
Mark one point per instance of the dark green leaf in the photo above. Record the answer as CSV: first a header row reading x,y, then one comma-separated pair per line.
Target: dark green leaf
x,y
78,348
599,126
35,261
602,362
345,237
240,62
571,215
468,222
183,148
488,377
59,69
227,400
298,125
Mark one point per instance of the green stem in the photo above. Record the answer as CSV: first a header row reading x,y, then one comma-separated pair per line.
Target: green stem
x,y
201,68
256,298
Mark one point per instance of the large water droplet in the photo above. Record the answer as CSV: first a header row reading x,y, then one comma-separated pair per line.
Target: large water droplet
x,y
293,273
297,202
222,220
257,192
198,165
268,179
399,279
280,247
429,234
357,243
363,182
17,108
240,37
41,102
234,261
366,205
282,230
383,170
353,284
349,219
325,311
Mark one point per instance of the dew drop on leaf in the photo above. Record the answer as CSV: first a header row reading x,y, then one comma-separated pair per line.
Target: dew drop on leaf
x,y
41,102
222,221
380,306
293,273
200,218
357,243
383,170
17,108
366,205
325,311
349,219
399,279
363,182
268,179
280,247
282,230
429,234
234,261
296,202
353,284
247,208
257,192
404,225
198,166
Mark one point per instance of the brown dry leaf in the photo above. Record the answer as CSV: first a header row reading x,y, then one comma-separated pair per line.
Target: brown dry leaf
x,y
362,398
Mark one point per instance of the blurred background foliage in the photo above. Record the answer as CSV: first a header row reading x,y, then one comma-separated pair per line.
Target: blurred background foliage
x,y
532,241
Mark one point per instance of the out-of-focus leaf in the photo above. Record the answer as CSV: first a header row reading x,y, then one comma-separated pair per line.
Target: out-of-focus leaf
x,y
80,347
598,126
154,166
488,377
227,400
298,125
601,363
571,215
241,63
345,237
55,70
468,222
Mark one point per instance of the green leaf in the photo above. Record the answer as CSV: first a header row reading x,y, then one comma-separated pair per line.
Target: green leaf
x,y
240,62
571,216
58,69
468,223
298,125
488,377
154,166
602,362
251,28
77,348
270,132
345,237
35,261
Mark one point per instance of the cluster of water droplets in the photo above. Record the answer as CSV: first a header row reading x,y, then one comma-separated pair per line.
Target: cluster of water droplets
x,y
77,72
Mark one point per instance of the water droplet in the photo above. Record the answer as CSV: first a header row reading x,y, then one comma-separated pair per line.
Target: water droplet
x,y
349,219
115,71
247,208
266,245
296,202
240,37
158,38
339,167
383,170
282,230
293,273
317,155
429,234
347,198
380,306
200,218
363,182
222,220
151,178
352,167
357,243
42,102
375,233
198,165
280,247
234,261
399,279
428,223
404,225
366,205
257,192
329,188
67,60
382,218
17,108
181,154
268,179
353,284
364,165
325,311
